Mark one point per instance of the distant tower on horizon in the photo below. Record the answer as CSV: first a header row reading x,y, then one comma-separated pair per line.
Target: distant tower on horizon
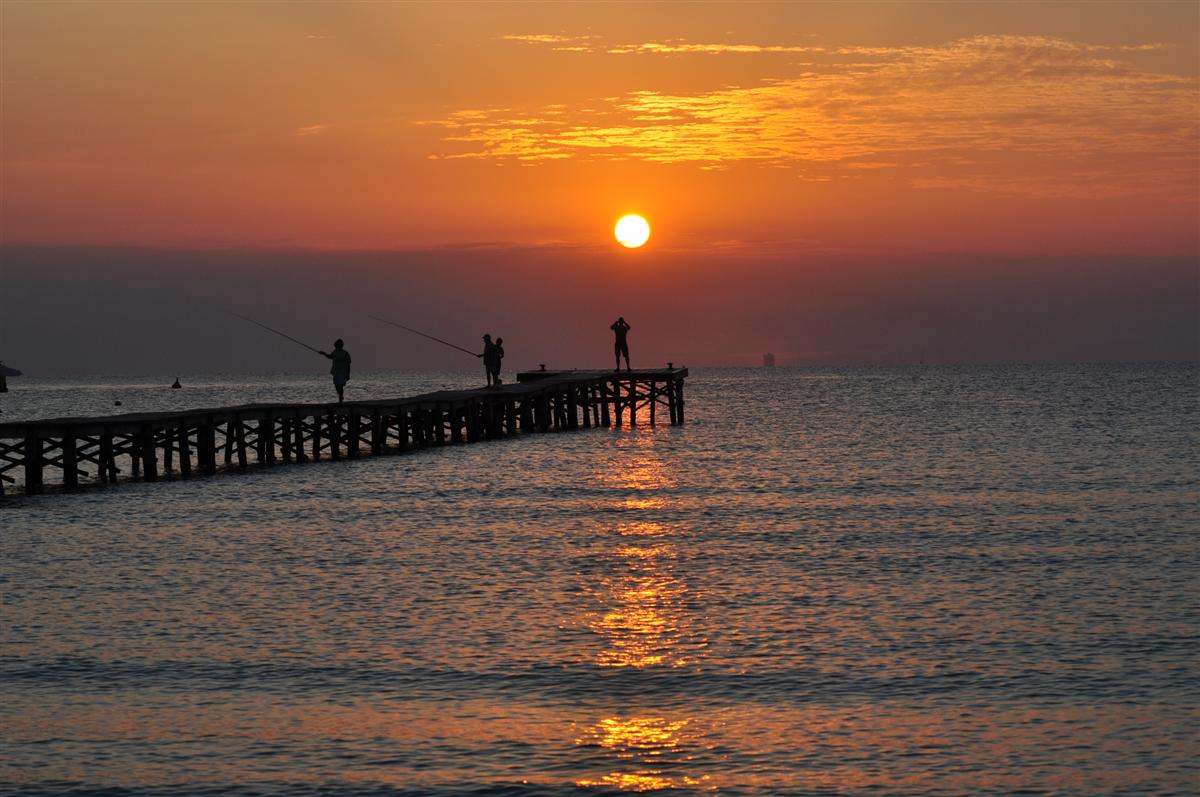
x,y
768,360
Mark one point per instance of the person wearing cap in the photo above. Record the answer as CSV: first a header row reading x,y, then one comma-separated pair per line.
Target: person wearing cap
x,y
491,363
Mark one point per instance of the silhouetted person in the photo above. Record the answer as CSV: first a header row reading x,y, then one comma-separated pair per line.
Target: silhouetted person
x,y
620,344
491,363
175,385
498,362
340,368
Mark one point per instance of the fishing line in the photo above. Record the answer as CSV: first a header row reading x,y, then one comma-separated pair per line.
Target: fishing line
x,y
422,334
276,331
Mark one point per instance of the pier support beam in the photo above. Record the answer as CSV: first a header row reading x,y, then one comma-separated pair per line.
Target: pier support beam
x,y
149,452
70,460
33,463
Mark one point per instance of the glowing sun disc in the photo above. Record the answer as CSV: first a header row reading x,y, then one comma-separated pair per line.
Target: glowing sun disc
x,y
632,231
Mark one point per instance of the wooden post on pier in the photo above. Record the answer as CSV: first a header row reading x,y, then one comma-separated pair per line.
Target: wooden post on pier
x,y
618,401
240,438
70,460
297,431
108,465
185,451
376,431
285,439
33,463
334,426
149,453
266,439
206,445
352,433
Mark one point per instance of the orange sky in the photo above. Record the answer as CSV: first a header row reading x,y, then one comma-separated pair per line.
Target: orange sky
x,y
840,182
1008,128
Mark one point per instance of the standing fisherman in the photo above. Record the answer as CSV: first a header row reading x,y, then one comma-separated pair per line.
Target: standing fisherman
x,y
491,364
620,344
496,361
340,368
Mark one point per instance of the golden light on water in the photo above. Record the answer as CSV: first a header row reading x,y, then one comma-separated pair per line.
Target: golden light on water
x,y
632,231
639,739
644,622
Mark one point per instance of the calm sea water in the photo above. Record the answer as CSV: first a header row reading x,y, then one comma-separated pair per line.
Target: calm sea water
x,y
888,581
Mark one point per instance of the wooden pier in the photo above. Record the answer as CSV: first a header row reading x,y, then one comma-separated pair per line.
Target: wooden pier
x,y
72,452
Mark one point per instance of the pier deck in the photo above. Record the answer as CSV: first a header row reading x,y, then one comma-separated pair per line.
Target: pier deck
x,y
157,445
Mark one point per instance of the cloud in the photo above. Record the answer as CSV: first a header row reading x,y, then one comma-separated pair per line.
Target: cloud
x,y
558,42
311,130
593,44
678,46
316,36
538,38
1026,114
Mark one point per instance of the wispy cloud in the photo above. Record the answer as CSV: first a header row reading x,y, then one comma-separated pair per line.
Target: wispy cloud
x,y
538,38
311,130
678,46
557,42
594,44
1025,114
316,36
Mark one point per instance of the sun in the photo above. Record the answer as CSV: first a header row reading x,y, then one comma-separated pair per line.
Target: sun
x,y
632,231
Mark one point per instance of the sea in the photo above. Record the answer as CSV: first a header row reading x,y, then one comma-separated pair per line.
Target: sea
x,y
924,580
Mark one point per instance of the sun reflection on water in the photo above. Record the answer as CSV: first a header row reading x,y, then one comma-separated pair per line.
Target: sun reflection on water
x,y
651,743
645,623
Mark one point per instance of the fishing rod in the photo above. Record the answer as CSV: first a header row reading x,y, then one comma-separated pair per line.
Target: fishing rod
x,y
422,334
276,331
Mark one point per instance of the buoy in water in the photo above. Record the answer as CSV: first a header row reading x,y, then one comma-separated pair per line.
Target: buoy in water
x,y
176,385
